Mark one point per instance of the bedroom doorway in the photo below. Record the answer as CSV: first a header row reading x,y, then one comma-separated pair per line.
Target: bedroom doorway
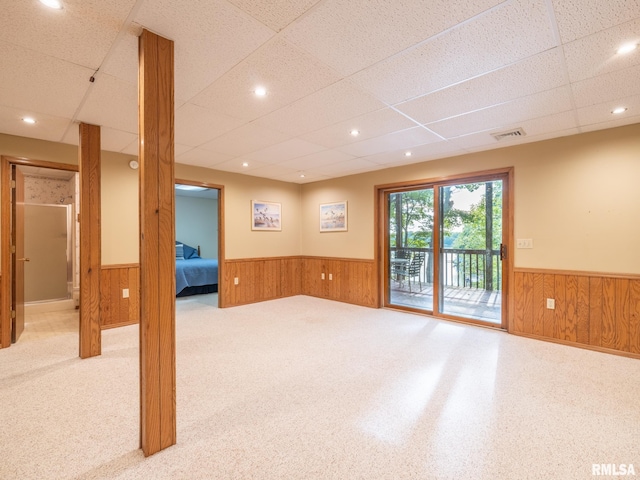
x,y
199,251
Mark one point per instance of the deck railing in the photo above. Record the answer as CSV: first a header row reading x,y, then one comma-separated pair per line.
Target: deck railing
x,y
477,269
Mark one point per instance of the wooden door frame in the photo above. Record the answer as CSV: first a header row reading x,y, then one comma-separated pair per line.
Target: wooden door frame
x,y
5,237
222,293
380,253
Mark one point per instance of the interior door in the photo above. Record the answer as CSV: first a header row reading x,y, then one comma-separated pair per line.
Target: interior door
x,y
18,259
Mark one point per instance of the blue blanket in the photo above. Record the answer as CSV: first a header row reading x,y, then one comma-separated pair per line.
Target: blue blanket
x,y
195,272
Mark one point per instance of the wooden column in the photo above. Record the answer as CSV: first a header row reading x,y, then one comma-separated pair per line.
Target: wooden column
x,y
90,252
157,244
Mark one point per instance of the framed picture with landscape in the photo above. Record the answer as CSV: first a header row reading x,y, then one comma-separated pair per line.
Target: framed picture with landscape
x,y
333,217
266,216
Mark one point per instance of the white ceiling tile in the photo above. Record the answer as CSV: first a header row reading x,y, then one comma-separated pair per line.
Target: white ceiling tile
x,y
563,122
201,158
237,165
210,38
245,139
357,165
115,140
275,14
532,75
596,54
339,32
601,113
132,148
123,60
579,18
286,72
81,33
295,177
316,160
612,123
392,141
419,154
284,151
47,127
505,35
336,103
608,87
112,103
37,82
507,115
266,171
195,125
370,125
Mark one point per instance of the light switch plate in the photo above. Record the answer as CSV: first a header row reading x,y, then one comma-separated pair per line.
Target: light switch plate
x,y
524,243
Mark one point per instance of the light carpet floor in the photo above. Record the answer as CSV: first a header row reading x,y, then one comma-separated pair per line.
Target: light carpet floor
x,y
304,388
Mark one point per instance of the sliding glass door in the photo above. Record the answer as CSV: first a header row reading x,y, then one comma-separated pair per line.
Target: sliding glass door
x,y
445,247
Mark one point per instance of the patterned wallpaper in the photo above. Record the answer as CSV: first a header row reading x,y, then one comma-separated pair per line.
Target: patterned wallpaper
x,y
48,191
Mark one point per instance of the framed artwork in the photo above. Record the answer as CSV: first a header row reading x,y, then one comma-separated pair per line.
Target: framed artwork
x,y
266,216
333,217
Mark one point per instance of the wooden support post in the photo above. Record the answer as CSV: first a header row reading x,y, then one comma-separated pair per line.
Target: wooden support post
x,y
157,245
90,253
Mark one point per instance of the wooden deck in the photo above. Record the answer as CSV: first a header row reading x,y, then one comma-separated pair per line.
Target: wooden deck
x,y
462,302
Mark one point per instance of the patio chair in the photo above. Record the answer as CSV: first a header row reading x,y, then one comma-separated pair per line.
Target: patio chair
x,y
412,269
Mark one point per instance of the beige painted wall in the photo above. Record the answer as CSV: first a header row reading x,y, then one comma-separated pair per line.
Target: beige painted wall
x,y
577,197
239,190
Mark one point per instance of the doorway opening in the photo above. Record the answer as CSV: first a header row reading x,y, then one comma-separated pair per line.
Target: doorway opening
x,y
44,241
198,242
445,247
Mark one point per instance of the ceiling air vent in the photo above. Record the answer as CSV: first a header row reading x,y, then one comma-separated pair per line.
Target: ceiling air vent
x,y
518,132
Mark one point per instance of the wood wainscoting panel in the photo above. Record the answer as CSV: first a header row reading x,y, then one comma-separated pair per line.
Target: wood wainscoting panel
x,y
116,311
343,279
600,311
260,279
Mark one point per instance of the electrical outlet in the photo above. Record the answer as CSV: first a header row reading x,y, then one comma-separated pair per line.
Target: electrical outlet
x,y
236,281
322,276
524,243
125,293
551,303
331,276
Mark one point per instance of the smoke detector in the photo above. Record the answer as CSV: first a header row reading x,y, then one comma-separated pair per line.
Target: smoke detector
x,y
518,132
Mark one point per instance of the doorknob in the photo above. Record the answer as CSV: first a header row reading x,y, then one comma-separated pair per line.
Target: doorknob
x,y
23,259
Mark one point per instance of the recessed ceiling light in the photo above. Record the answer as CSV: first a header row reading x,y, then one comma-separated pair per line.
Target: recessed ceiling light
x,y
626,48
355,133
28,120
302,175
245,164
619,110
260,91
56,4
407,154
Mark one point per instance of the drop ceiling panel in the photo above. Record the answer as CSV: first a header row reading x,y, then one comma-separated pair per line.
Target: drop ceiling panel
x,y
284,151
514,31
532,75
612,123
560,122
123,61
357,165
294,177
392,141
286,72
336,103
262,170
244,140
596,54
81,33
507,115
601,113
237,165
370,125
419,153
115,140
350,45
48,127
111,103
579,18
608,87
210,38
37,82
316,160
195,125
275,14
201,158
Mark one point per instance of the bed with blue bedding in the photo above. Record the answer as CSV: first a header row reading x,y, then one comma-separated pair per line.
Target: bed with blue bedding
x,y
194,275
